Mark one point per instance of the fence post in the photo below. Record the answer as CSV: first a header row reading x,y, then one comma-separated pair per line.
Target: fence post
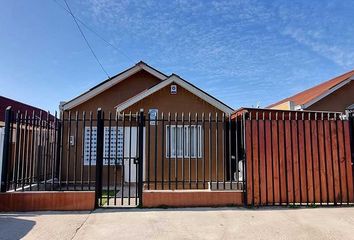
x,y
141,157
99,156
6,146
351,134
58,148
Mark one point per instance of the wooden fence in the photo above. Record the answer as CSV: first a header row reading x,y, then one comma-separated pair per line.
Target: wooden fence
x,y
298,158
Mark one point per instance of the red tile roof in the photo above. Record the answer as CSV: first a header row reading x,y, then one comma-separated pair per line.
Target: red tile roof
x,y
311,93
18,106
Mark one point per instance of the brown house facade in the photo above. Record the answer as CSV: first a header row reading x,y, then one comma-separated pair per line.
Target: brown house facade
x,y
333,95
164,99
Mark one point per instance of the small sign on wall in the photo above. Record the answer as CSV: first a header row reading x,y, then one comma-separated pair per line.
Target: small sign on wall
x,y
173,89
153,114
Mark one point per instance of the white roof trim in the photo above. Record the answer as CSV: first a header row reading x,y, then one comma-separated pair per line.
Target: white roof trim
x,y
175,79
325,94
120,77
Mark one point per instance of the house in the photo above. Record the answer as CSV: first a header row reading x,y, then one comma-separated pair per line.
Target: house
x,y
333,95
18,106
163,99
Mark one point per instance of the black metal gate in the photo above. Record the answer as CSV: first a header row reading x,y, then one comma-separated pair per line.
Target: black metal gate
x,y
119,159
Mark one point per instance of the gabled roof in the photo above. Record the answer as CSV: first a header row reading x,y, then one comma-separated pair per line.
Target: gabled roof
x,y
111,82
308,97
183,83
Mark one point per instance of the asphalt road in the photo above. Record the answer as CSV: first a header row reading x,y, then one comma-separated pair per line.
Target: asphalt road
x,y
185,223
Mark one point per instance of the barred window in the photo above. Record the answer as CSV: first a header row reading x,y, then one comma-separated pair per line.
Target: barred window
x,y
184,141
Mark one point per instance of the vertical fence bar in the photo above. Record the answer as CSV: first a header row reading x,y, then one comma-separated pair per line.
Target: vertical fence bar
x,y
27,149
169,150
217,150
90,154
123,160
148,150
259,161
176,150
223,149
292,157
162,151
136,161
141,157
33,124
278,156
116,157
189,151
332,161
82,159
155,150
196,149
54,148
10,149
40,151
108,156
298,156
58,150
346,167
99,157
68,151
6,147
75,141
318,158
130,157
24,144
265,157
325,157
47,154
244,165
183,136
61,149
203,153
271,155
285,161
229,149
338,159
210,152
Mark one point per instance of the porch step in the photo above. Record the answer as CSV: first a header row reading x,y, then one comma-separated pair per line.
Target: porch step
x,y
220,186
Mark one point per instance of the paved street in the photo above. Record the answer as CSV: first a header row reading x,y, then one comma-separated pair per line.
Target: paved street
x,y
187,223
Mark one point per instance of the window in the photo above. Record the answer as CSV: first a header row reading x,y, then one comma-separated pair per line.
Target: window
x,y
183,141
112,144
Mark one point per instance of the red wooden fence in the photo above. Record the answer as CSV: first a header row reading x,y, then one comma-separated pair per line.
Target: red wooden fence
x,y
298,160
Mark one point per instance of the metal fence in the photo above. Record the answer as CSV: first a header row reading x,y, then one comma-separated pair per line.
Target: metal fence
x,y
119,154
193,151
30,153
272,158
301,158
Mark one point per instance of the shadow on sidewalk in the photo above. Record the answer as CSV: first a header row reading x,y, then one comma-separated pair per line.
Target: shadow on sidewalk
x,y
14,228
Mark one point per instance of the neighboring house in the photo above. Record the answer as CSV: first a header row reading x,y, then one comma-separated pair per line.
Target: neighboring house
x,y
142,87
336,95
18,106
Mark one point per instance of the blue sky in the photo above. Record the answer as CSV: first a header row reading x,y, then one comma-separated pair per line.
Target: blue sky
x,y
243,52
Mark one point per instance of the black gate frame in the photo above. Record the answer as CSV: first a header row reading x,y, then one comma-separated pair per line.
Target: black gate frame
x,y
100,151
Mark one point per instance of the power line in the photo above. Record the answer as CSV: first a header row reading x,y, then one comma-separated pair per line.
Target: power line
x,y
84,37
93,31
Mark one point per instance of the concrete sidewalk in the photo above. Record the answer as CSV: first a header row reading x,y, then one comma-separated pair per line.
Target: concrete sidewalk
x,y
187,223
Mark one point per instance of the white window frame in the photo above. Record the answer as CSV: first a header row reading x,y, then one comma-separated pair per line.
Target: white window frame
x,y
183,151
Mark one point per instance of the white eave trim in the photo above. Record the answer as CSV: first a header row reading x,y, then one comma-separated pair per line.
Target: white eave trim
x,y
325,94
94,92
175,79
